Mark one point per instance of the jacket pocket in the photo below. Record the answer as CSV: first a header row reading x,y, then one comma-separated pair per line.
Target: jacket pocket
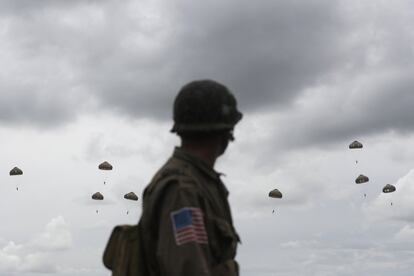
x,y
227,268
224,240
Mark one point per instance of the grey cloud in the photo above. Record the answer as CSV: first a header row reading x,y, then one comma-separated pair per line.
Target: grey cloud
x,y
39,85
267,50
131,58
266,53
379,209
56,237
38,255
28,6
132,63
342,251
31,109
371,94
384,107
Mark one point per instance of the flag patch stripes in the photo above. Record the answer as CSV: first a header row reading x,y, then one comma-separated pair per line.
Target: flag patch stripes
x,y
188,226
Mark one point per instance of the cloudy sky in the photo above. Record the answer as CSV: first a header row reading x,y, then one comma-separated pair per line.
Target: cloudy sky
x,y
86,81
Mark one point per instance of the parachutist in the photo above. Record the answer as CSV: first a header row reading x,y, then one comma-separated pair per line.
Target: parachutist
x,y
131,196
106,167
356,145
273,211
365,195
96,211
16,171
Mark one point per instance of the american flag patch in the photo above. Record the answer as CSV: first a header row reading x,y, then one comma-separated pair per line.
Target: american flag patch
x,y
188,225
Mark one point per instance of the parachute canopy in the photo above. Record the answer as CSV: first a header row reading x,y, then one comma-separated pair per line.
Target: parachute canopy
x,y
355,145
361,179
275,193
16,171
131,196
97,196
388,188
105,166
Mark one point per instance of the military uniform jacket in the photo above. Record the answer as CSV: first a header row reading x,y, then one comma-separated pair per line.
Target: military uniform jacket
x,y
187,227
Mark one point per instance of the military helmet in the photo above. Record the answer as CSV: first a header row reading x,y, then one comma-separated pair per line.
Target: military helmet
x,y
205,106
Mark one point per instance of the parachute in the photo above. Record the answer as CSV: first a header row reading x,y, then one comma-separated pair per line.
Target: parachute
x,y
355,145
97,196
105,166
275,193
16,171
131,196
388,188
361,179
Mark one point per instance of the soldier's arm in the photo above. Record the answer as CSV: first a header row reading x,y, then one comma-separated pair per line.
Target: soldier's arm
x,y
183,241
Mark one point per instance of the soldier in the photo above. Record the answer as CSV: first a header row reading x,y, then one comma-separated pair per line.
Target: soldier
x,y
186,224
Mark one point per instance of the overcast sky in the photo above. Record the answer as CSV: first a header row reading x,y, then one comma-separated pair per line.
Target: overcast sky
x,y
86,81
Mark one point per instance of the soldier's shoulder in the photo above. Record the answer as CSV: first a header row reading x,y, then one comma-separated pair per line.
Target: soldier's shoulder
x,y
175,173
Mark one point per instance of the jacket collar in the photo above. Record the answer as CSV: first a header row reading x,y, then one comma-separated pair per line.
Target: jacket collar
x,y
200,165
196,162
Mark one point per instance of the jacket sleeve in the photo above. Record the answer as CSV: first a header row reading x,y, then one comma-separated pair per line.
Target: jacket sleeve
x,y
183,241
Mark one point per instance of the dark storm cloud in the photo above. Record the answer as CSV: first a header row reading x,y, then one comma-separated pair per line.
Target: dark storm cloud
x,y
370,94
47,102
133,59
388,109
23,6
39,81
266,52
30,109
374,101
65,58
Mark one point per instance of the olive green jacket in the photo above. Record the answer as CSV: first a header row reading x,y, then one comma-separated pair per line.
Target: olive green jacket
x,y
187,227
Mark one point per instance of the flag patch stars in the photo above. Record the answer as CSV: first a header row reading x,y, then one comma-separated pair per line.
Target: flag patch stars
x,y
188,226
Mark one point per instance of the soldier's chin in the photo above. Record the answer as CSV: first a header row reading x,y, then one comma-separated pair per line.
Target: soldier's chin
x,y
223,146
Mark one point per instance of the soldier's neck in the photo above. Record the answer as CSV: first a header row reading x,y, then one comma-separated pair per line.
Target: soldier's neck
x,y
206,154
